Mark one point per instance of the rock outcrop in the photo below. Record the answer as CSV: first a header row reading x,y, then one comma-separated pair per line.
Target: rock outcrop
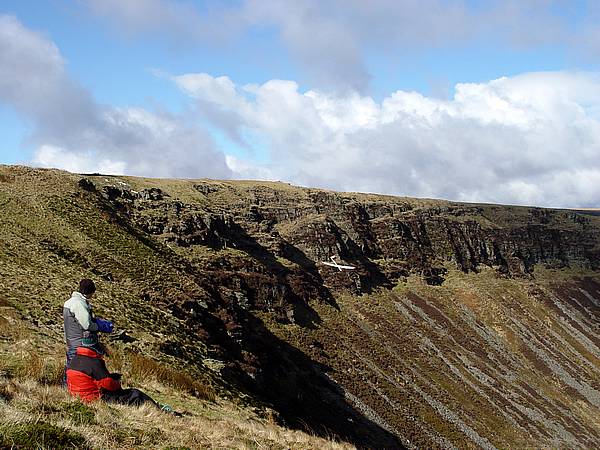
x,y
290,233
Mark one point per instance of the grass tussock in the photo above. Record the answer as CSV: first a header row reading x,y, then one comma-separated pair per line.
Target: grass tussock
x,y
7,391
30,365
35,435
79,413
142,369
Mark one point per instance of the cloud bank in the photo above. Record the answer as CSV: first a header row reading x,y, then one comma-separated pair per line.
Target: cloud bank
x,y
531,139
71,130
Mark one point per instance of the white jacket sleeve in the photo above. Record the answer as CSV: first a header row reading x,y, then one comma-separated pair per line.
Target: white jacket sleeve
x,y
82,313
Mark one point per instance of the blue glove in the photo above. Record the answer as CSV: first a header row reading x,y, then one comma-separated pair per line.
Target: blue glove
x,y
104,326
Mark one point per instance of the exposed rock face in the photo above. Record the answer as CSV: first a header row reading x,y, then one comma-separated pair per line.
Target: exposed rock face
x,y
386,238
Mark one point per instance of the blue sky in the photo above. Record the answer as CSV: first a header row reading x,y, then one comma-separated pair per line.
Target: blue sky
x,y
138,84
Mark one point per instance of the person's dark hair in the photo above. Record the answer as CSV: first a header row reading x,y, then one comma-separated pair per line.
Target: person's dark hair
x,y
87,287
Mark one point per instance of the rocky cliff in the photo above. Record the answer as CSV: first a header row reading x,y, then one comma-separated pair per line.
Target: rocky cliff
x,y
462,325
386,238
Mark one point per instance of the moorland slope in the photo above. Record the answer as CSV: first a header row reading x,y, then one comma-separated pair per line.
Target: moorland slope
x,y
463,325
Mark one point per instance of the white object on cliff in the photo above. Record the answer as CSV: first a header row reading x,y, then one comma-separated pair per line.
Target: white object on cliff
x,y
337,265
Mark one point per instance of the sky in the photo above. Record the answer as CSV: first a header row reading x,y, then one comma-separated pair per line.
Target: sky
x,y
466,100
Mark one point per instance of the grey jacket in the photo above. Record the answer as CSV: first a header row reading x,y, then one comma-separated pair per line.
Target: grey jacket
x,y
78,319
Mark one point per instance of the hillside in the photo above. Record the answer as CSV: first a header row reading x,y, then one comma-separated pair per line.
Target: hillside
x,y
463,325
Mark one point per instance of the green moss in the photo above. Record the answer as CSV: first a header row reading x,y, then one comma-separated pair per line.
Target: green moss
x,y
286,262
40,434
401,288
79,413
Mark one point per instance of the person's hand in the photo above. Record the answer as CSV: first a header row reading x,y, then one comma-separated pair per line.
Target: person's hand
x,y
104,326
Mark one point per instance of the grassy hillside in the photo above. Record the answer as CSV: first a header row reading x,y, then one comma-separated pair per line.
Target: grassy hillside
x,y
35,412
463,326
49,238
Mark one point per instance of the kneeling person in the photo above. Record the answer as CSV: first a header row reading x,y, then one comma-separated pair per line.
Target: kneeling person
x,y
89,379
79,320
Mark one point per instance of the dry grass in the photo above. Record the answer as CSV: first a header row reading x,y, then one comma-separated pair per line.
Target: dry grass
x,y
144,369
24,357
30,405
31,366
36,412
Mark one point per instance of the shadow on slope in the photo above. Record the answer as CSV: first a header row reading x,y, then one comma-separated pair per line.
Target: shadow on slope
x,y
306,397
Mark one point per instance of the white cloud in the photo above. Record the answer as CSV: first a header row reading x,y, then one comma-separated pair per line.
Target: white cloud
x,y
219,90
51,156
70,129
246,170
530,139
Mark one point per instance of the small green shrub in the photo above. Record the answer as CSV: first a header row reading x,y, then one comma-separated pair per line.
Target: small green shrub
x,y
52,373
45,408
79,413
34,435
